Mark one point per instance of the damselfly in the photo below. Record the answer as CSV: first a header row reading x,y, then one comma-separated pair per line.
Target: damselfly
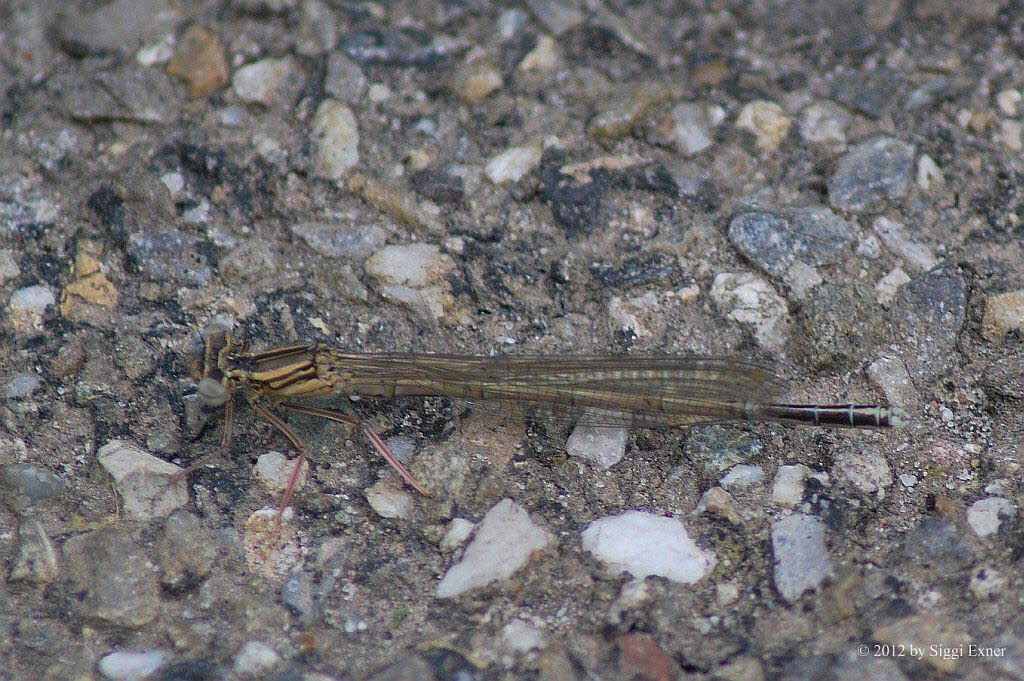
x,y
640,391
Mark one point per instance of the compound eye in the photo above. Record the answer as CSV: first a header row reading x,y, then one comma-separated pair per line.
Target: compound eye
x,y
212,392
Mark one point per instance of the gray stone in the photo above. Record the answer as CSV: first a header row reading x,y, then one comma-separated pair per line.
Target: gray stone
x,y
870,174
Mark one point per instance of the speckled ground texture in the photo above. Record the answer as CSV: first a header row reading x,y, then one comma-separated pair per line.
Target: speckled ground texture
x,y
834,192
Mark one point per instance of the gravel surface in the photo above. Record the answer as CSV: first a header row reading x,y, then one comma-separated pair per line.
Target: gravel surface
x,y
834,190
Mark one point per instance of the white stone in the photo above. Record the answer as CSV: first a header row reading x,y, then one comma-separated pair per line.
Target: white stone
x,y
788,486
691,126
388,501
513,163
801,558
767,121
146,483
889,285
255,658
644,544
742,475
26,308
602,445
866,470
128,666
928,172
458,532
274,470
825,122
985,516
336,133
522,636
261,81
917,257
750,300
1009,101
8,265
505,541
415,265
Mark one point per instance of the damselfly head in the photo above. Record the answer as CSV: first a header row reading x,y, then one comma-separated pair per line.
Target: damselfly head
x,y
212,393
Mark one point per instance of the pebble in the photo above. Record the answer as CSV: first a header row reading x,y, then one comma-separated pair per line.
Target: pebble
x,y
8,266
825,123
253,261
1004,313
742,476
801,559
274,470
25,484
776,240
299,594
345,81
272,547
388,501
144,482
256,658
505,541
169,256
1009,102
715,448
522,636
866,470
936,544
645,544
472,82
870,92
545,56
887,286
265,81
200,60
439,186
751,301
1004,377
927,317
398,203
123,665
640,657
22,386
928,173
185,552
625,110
557,17
719,502
601,445
890,375
26,309
930,92
917,257
985,516
36,560
689,127
767,121
788,486
513,163
347,236
1011,134
413,275
111,27
458,532
870,174
335,132
108,577
840,325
